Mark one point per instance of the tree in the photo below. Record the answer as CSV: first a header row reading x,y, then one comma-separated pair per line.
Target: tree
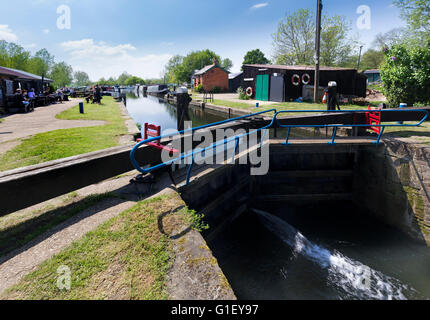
x,y
18,57
62,74
196,60
405,74
390,38
171,67
294,41
417,15
81,79
255,57
227,64
132,81
122,78
372,59
335,45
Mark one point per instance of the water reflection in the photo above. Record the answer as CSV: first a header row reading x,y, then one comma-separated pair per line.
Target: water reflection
x,y
149,109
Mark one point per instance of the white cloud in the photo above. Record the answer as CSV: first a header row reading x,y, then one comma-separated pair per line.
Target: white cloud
x,y
46,31
259,5
7,34
100,59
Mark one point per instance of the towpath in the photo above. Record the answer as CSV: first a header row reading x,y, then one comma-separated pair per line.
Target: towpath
x,y
17,126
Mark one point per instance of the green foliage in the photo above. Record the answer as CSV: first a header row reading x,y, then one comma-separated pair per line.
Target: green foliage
x,y
81,79
62,74
417,15
16,57
242,94
335,47
255,57
294,41
227,64
195,220
199,88
132,81
372,59
405,74
180,69
172,65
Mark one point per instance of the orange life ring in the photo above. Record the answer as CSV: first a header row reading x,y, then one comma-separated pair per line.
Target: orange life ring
x,y
295,79
249,92
306,75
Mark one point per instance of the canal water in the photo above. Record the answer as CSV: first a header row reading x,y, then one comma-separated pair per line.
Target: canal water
x,y
329,252
150,109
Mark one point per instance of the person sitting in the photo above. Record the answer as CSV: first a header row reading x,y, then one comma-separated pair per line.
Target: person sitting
x,y
31,95
20,98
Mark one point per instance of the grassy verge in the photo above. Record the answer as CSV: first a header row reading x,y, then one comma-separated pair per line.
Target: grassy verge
x,y
127,257
65,143
17,230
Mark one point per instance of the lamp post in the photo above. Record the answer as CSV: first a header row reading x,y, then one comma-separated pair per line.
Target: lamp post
x,y
317,51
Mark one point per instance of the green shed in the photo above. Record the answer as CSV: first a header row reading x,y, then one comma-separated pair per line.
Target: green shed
x,y
262,87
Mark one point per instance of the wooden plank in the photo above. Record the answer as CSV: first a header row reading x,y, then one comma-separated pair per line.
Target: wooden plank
x,y
307,174
306,197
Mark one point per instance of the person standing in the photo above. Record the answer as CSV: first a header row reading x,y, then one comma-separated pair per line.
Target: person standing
x,y
97,95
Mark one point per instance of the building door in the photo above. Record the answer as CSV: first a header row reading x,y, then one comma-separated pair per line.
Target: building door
x,y
277,89
262,88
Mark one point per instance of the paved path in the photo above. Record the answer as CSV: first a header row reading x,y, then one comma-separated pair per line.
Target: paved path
x,y
233,97
18,126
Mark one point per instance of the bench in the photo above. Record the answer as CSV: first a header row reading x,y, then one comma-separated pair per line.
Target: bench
x,y
13,105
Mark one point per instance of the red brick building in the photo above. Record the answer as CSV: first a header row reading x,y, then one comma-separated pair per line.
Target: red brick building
x,y
210,77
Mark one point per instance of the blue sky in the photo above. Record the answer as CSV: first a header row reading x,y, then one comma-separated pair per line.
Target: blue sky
x,y
108,37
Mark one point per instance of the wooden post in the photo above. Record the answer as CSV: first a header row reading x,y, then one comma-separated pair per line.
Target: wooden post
x,y
317,51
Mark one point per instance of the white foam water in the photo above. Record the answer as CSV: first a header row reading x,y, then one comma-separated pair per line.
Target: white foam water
x,y
356,279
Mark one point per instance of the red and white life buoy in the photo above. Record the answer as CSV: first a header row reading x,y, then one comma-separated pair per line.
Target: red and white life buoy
x,y
295,79
306,78
249,92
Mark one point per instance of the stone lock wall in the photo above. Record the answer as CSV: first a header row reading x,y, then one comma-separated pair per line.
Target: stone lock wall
x,y
393,182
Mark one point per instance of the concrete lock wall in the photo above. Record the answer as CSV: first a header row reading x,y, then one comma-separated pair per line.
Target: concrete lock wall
x,y
393,183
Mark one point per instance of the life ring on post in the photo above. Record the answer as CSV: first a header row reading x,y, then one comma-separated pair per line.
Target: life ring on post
x,y
306,78
249,92
295,79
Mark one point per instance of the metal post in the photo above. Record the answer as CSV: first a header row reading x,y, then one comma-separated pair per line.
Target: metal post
x,y
81,107
359,58
317,51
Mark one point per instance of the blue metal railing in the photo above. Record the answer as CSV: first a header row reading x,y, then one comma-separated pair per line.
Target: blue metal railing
x,y
273,124
193,152
337,126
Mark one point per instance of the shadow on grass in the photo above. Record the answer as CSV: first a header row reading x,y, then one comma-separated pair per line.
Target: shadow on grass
x,y
408,134
19,235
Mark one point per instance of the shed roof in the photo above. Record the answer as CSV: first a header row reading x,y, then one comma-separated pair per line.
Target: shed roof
x,y
372,71
299,68
234,75
21,75
208,68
